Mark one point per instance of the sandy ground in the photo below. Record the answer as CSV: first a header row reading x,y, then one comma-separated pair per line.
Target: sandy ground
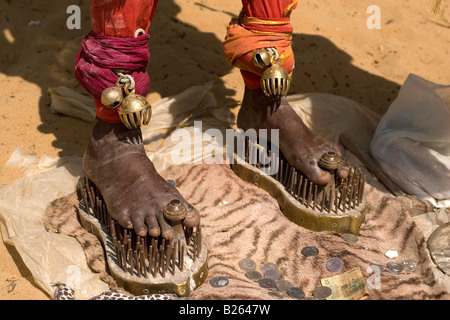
x,y
335,53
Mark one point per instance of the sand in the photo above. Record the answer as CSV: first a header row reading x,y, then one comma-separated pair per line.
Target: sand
x,y
335,53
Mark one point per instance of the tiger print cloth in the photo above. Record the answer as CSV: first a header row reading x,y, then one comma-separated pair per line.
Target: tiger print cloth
x,y
239,220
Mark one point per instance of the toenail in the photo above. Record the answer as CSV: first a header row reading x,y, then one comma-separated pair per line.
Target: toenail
x,y
154,232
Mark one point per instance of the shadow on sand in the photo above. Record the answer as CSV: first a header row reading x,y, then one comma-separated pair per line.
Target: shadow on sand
x,y
181,56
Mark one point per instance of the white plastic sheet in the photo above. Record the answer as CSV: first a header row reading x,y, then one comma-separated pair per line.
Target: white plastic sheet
x,y
412,141
50,257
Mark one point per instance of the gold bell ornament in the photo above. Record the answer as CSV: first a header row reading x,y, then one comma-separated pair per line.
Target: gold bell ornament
x,y
112,97
275,81
134,111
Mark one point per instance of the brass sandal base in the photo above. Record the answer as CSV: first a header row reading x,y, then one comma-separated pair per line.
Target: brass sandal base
x,y
338,207
143,265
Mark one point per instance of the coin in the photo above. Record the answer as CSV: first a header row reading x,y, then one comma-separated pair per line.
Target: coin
x,y
219,282
275,295
254,275
272,274
351,238
334,264
267,283
268,266
377,267
247,264
409,265
296,293
283,285
439,246
322,292
172,182
395,268
310,251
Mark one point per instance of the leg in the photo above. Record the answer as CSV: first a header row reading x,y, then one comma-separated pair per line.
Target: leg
x,y
134,192
298,143
115,159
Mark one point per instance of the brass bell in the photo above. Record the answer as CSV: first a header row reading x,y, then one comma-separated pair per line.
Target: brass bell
x,y
261,58
275,81
112,97
134,111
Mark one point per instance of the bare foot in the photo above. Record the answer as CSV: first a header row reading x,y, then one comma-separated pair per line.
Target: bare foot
x,y
134,192
301,147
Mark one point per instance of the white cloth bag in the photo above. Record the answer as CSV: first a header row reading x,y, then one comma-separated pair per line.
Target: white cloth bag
x,y
412,140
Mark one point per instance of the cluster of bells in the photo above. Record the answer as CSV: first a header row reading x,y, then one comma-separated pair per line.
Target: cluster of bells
x,y
275,81
134,110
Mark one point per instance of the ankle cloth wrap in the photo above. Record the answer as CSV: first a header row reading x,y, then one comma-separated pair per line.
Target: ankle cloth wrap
x,y
114,45
247,33
100,55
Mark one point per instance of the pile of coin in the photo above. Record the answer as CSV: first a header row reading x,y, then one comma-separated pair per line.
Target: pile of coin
x,y
268,277
406,266
396,268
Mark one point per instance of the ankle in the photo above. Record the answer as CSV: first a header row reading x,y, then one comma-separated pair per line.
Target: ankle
x,y
114,131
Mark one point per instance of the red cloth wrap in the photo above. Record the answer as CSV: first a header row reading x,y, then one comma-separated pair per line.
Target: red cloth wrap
x,y
262,24
112,45
121,18
99,55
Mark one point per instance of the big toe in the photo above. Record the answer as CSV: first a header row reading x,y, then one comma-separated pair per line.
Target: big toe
x,y
192,218
166,230
313,172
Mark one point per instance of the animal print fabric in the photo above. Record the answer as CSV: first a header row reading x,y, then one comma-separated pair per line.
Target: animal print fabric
x,y
64,292
239,220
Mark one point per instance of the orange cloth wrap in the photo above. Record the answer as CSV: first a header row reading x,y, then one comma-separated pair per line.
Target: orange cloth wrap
x,y
246,34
